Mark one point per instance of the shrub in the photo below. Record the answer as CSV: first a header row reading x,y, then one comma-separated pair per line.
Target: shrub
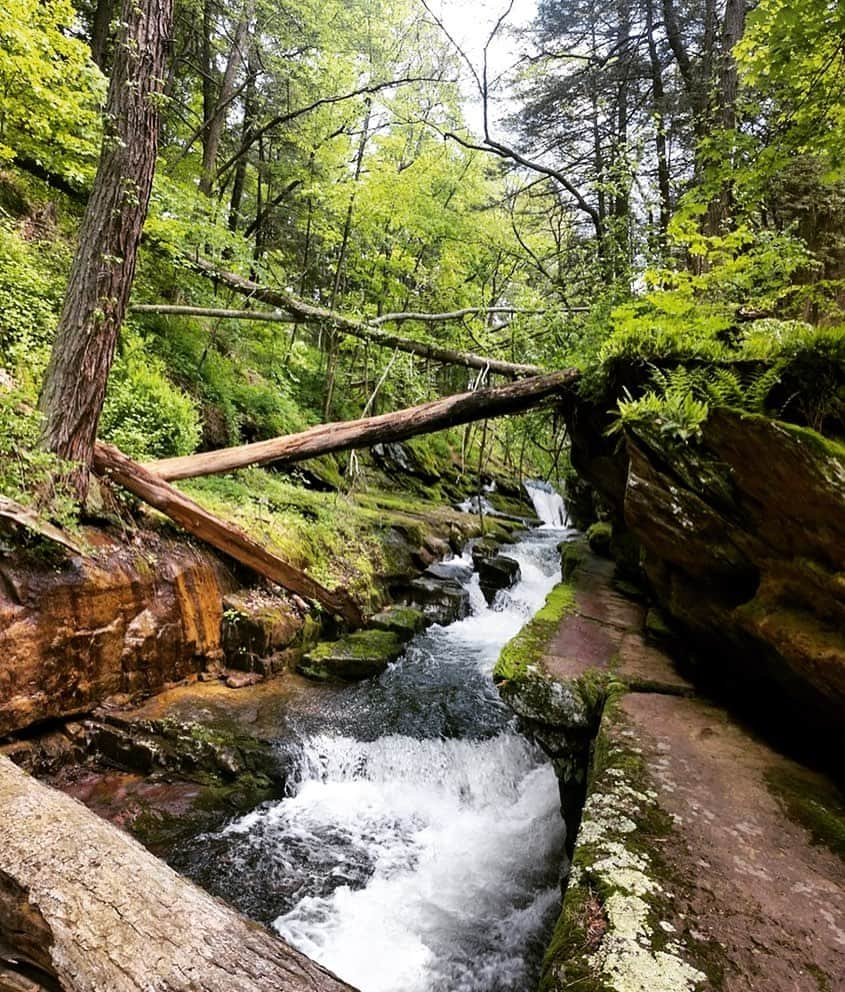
x,y
145,415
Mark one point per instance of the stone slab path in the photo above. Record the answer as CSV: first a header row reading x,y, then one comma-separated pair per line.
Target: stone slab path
x,y
705,859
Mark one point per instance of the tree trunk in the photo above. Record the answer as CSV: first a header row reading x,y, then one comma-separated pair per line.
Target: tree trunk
x,y
221,534
104,264
343,435
214,123
659,116
358,328
100,30
84,907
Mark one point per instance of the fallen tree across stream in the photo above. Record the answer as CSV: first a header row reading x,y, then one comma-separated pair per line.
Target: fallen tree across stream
x,y
342,435
366,330
150,482
221,534
84,906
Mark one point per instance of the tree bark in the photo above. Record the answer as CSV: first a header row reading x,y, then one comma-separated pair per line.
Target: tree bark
x,y
359,328
221,534
343,435
104,264
84,907
213,128
100,29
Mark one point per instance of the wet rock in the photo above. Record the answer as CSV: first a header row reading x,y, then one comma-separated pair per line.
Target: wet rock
x,y
125,622
358,656
404,621
482,549
455,571
240,680
183,748
499,572
442,601
254,625
541,700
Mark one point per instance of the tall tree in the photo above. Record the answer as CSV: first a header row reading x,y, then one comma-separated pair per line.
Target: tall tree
x,y
104,265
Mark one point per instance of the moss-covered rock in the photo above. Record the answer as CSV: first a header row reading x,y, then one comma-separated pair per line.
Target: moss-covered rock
x,y
256,623
404,621
611,935
599,536
357,656
572,556
527,647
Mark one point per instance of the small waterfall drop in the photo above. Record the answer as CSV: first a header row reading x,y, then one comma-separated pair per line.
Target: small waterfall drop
x,y
548,504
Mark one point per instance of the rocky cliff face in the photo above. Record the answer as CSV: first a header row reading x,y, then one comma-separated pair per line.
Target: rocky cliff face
x,y
99,627
742,538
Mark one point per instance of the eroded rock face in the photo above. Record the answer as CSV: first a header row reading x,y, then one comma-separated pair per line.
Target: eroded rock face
x,y
743,538
118,624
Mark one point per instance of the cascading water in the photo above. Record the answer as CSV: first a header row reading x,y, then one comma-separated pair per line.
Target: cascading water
x,y
420,848
548,504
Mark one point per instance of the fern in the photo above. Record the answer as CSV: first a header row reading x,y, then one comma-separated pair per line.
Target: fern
x,y
679,400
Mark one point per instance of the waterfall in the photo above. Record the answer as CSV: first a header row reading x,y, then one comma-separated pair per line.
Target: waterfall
x,y
548,504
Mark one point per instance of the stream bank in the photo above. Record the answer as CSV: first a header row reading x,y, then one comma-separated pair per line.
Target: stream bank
x,y
705,858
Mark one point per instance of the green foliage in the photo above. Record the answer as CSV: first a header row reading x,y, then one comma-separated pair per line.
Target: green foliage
x,y
51,89
792,54
28,474
30,295
679,400
144,414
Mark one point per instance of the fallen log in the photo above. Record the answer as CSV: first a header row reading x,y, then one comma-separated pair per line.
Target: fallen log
x,y
220,534
342,435
182,310
84,907
30,520
356,327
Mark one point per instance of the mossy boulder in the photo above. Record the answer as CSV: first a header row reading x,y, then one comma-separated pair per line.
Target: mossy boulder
x,y
404,621
254,625
599,536
572,555
357,656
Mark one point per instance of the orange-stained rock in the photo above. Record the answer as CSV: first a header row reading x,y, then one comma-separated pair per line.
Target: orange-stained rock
x,y
121,623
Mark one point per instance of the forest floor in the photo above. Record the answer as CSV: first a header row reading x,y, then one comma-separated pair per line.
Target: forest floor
x,y
706,858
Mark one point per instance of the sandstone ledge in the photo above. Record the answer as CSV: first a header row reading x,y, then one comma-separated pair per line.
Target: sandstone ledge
x,y
700,861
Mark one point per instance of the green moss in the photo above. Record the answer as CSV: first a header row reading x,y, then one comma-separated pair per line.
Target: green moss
x,y
357,656
822,445
404,621
812,801
599,536
572,555
529,644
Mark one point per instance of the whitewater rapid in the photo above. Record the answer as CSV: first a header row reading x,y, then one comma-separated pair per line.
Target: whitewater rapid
x,y
419,850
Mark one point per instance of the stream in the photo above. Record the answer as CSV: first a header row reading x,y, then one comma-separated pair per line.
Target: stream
x,y
420,846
